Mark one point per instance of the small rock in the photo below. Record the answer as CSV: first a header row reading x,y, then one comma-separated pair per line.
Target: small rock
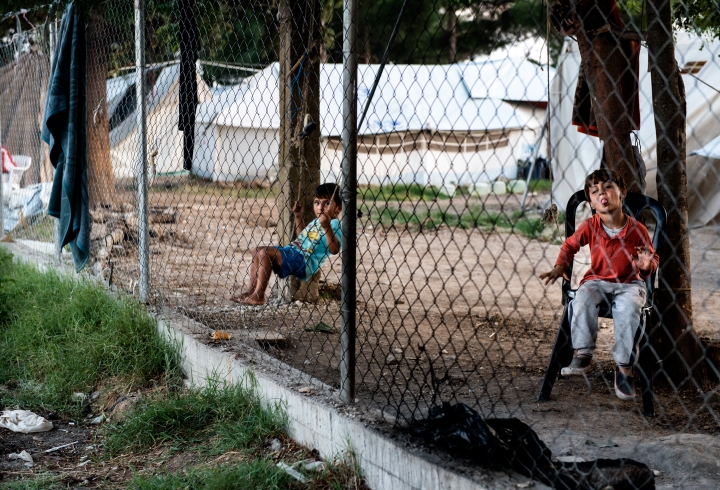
x,y
656,472
397,351
391,360
306,389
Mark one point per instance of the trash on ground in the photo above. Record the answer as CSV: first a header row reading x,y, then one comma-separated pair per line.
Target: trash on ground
x,y
512,444
290,471
220,335
321,327
306,389
23,455
24,421
57,448
314,465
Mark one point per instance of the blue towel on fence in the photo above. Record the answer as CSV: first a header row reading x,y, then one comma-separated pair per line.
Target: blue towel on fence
x,y
64,129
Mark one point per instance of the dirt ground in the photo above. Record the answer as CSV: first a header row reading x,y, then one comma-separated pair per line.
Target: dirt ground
x,y
443,315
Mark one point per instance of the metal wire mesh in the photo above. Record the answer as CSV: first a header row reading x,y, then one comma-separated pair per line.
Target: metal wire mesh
x,y
469,137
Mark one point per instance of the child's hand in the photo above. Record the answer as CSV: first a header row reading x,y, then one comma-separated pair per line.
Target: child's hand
x,y
643,259
298,209
324,221
552,276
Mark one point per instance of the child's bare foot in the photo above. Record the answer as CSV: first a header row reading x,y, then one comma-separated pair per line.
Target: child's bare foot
x,y
241,297
253,300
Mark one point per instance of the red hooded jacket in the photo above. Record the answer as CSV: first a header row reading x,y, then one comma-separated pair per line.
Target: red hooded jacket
x,y
611,259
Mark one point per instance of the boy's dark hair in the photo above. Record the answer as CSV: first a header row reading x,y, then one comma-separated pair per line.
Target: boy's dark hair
x,y
603,175
329,191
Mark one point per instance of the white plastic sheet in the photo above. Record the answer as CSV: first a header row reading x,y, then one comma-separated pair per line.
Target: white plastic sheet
x,y
24,421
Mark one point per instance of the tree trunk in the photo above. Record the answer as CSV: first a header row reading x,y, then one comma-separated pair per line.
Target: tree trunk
x,y
452,34
299,165
675,339
101,181
603,63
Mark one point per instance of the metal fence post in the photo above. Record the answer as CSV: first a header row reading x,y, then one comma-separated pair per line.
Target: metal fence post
x,y
52,40
2,206
141,148
349,196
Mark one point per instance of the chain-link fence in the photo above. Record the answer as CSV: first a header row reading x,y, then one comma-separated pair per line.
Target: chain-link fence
x,y
474,123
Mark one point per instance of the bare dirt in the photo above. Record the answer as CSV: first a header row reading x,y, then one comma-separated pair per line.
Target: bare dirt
x,y
447,314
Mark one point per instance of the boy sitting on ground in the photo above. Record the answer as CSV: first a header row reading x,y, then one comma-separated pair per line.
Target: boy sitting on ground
x,y
304,256
621,257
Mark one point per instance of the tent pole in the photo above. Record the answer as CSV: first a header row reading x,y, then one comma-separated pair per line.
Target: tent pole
x,y
141,148
533,158
349,193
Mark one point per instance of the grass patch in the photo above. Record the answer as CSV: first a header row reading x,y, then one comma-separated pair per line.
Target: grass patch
x,y
260,474
229,416
398,192
42,229
43,481
541,185
469,218
60,335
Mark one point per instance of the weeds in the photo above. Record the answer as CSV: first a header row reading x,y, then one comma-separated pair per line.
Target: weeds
x,y
59,335
260,474
232,417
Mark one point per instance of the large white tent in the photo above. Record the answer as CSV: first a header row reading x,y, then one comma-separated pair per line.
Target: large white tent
x,y
574,154
460,123
161,121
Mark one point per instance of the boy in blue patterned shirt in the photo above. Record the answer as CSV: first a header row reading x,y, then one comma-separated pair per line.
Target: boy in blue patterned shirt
x,y
304,256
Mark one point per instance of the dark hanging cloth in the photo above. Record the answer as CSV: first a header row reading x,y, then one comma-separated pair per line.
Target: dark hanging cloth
x,y
583,115
189,47
64,130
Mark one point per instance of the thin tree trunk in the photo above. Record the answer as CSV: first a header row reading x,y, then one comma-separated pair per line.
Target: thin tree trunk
x,y
604,62
679,347
299,166
101,181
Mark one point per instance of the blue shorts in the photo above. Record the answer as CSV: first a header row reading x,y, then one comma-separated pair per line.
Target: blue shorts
x,y
293,262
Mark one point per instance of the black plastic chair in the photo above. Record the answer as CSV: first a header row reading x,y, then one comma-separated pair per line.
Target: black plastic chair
x,y
635,205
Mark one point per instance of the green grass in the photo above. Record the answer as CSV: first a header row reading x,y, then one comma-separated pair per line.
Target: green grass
x,y
229,416
542,185
400,192
41,229
42,481
472,217
258,474
60,335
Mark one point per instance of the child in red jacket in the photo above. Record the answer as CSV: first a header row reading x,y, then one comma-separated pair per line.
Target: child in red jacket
x,y
621,257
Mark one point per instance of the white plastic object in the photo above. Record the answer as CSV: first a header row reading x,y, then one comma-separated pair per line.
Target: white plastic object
x,y
499,188
516,186
481,189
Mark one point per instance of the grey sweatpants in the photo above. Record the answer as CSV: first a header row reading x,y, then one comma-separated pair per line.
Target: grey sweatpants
x,y
626,302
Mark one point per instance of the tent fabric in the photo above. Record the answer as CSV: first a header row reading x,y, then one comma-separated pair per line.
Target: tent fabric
x,y
470,96
64,130
575,155
711,150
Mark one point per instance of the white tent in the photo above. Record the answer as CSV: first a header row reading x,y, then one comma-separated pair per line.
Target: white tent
x,y
436,124
574,155
161,121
